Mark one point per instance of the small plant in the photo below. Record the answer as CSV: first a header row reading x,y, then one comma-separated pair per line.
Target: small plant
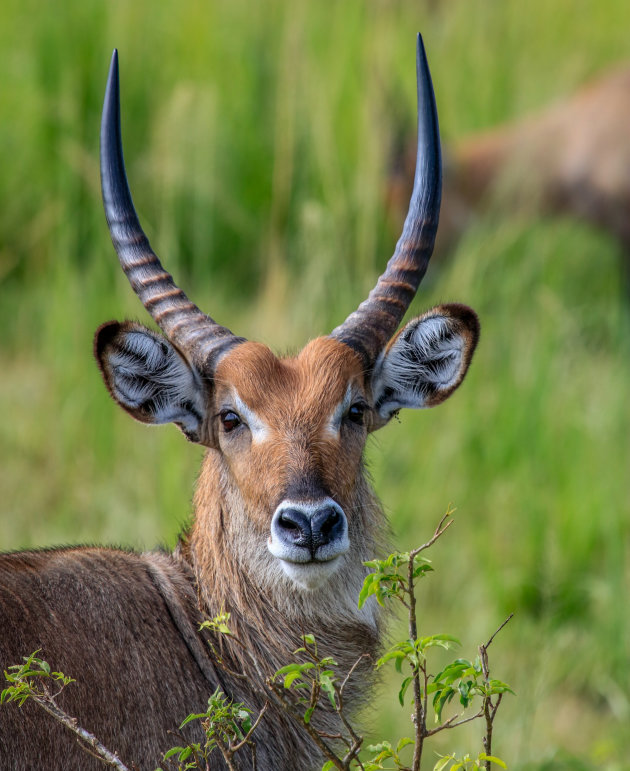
x,y
32,680
316,678
301,686
228,727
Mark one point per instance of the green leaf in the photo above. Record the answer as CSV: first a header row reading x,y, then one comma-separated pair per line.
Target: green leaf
x,y
465,696
454,671
309,639
365,589
493,759
286,669
193,717
308,714
395,654
497,686
421,570
442,640
440,699
443,762
404,742
185,754
379,747
328,765
326,682
291,678
246,720
403,690
173,751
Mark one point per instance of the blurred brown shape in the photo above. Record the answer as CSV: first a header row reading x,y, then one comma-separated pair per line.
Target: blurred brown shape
x,y
571,158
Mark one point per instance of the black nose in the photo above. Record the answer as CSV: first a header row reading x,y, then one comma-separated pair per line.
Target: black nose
x,y
323,526
295,528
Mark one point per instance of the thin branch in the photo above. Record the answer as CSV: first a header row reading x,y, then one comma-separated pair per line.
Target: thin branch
x,y
254,758
102,752
487,645
351,672
237,747
452,722
439,530
356,739
321,744
489,709
419,716
227,755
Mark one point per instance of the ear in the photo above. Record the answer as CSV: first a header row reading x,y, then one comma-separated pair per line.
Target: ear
x,y
149,378
426,361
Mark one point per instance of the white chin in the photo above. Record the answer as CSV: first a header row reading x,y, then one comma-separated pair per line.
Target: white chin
x,y
309,575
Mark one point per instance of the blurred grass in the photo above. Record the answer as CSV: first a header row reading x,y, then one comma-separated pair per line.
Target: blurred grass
x,y
257,140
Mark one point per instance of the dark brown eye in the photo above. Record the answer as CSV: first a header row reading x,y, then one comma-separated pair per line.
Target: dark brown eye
x,y
356,412
229,420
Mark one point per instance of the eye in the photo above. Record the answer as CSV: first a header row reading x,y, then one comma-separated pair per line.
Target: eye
x,y
229,420
356,413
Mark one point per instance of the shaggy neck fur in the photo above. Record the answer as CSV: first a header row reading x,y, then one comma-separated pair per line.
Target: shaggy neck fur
x,y
234,572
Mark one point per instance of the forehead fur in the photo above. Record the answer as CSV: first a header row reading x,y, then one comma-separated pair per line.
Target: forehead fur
x,y
322,369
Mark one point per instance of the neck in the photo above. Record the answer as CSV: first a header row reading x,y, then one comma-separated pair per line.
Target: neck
x,y
235,573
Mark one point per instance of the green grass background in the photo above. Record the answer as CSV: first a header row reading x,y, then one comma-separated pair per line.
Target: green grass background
x,y
257,138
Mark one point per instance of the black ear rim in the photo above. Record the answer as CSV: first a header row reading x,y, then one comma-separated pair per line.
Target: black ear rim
x,y
467,320
103,338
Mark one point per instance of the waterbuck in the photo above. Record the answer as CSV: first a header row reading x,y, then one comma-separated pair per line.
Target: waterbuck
x,y
284,514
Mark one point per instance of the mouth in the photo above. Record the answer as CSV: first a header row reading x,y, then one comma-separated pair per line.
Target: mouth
x,y
301,555
312,574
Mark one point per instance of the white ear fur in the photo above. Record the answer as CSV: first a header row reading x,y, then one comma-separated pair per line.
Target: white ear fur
x,y
426,361
149,378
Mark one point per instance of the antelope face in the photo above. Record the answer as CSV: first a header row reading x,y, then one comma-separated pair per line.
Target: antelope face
x,y
291,433
286,436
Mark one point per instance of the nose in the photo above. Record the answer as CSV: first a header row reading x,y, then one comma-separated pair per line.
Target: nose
x,y
320,528
301,532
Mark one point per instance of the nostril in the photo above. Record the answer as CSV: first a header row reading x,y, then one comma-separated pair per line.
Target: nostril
x,y
295,527
287,523
329,522
327,525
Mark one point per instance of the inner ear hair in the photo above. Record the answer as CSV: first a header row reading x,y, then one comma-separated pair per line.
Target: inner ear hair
x,y
427,360
148,377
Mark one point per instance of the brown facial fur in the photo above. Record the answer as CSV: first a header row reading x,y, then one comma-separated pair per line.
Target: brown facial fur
x,y
294,398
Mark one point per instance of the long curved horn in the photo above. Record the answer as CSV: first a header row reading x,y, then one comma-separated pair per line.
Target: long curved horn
x,y
196,334
368,329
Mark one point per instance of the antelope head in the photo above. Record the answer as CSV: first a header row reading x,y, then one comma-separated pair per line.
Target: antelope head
x,y
283,474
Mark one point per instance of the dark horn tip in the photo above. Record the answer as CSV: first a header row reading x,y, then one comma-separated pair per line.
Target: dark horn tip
x,y
112,78
116,194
